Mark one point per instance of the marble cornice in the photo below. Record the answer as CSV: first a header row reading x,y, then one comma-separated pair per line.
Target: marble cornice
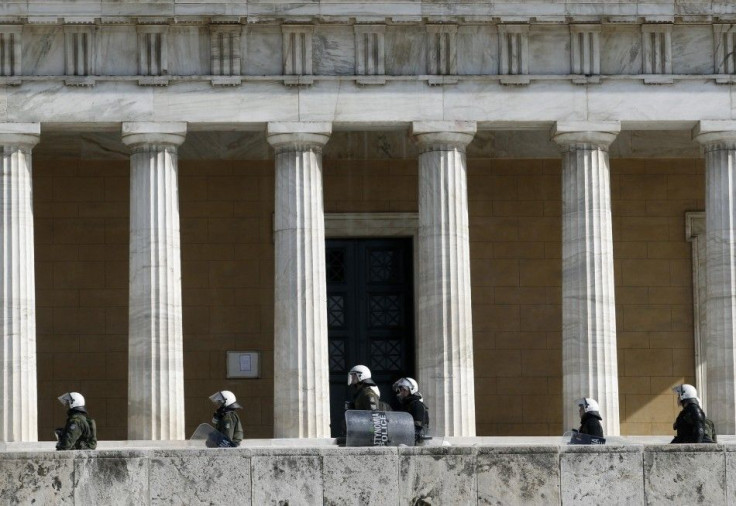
x,y
343,11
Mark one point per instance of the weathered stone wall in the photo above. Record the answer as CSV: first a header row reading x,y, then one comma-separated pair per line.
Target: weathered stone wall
x,y
548,474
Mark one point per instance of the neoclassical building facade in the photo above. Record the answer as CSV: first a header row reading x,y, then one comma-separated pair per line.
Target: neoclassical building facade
x,y
519,204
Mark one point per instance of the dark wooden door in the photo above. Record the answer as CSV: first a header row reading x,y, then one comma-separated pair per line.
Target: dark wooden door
x,y
370,315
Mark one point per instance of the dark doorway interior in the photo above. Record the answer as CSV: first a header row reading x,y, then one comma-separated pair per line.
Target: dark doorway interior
x,y
370,315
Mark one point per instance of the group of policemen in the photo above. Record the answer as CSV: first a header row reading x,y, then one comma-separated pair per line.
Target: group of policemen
x,y
367,396
691,425
80,432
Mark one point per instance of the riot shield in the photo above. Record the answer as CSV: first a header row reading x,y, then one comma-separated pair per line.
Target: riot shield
x,y
379,428
212,437
578,438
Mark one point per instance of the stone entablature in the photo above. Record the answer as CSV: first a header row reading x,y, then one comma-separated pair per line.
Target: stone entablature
x,y
83,51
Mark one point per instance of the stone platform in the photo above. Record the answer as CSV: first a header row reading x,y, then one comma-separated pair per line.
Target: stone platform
x,y
484,471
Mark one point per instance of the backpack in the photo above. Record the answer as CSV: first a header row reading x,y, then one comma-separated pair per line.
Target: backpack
x,y
92,441
710,430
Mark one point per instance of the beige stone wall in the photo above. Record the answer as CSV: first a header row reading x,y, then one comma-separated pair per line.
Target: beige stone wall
x,y
81,248
227,262
82,287
515,254
653,286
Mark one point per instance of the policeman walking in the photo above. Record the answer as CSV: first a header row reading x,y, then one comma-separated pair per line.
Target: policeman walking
x,y
407,390
366,395
590,417
80,431
226,420
691,424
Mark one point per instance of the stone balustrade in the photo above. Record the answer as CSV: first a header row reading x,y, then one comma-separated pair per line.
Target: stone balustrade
x,y
507,471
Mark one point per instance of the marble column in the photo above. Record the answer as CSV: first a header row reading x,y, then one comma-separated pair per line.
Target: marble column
x,y
445,325
18,413
301,376
718,139
155,352
589,358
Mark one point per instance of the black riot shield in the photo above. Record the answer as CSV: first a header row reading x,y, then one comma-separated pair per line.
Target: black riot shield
x,y
379,428
578,438
212,437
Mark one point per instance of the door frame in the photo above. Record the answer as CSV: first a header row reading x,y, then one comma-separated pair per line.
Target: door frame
x,y
372,225
376,225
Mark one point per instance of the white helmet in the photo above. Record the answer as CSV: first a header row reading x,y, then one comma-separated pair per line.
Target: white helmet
x,y
224,398
409,383
588,404
359,372
72,400
685,392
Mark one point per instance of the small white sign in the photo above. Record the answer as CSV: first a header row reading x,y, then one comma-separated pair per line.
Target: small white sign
x,y
246,362
243,364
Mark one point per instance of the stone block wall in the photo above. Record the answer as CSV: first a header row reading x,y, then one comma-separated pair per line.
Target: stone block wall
x,y
528,474
81,210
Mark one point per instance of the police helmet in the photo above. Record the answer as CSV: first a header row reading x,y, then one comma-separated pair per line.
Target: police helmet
x,y
409,383
357,374
72,400
224,398
588,404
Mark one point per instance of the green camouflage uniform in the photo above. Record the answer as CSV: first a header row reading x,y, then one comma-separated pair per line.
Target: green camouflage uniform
x,y
364,397
228,423
78,433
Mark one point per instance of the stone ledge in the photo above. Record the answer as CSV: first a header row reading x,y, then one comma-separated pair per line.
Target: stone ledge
x,y
526,470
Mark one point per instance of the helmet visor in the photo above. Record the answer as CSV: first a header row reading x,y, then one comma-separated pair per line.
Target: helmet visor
x,y
65,399
217,398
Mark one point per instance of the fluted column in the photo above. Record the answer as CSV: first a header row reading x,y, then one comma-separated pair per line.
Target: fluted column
x,y
445,337
18,411
301,377
589,358
718,139
155,353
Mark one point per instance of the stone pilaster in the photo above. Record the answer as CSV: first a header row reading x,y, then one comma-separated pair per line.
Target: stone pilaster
x,y
18,412
589,358
155,356
718,139
301,377
445,337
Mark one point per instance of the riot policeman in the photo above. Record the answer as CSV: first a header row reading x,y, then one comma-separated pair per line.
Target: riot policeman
x,y
226,420
691,424
407,391
365,392
80,431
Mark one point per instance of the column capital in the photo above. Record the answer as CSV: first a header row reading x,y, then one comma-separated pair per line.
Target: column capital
x,y
285,135
26,135
438,135
710,132
138,133
598,133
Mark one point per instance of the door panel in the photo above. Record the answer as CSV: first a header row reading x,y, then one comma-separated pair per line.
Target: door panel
x,y
370,315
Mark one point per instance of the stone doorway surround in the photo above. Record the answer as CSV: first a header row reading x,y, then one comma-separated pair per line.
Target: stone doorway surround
x,y
369,225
